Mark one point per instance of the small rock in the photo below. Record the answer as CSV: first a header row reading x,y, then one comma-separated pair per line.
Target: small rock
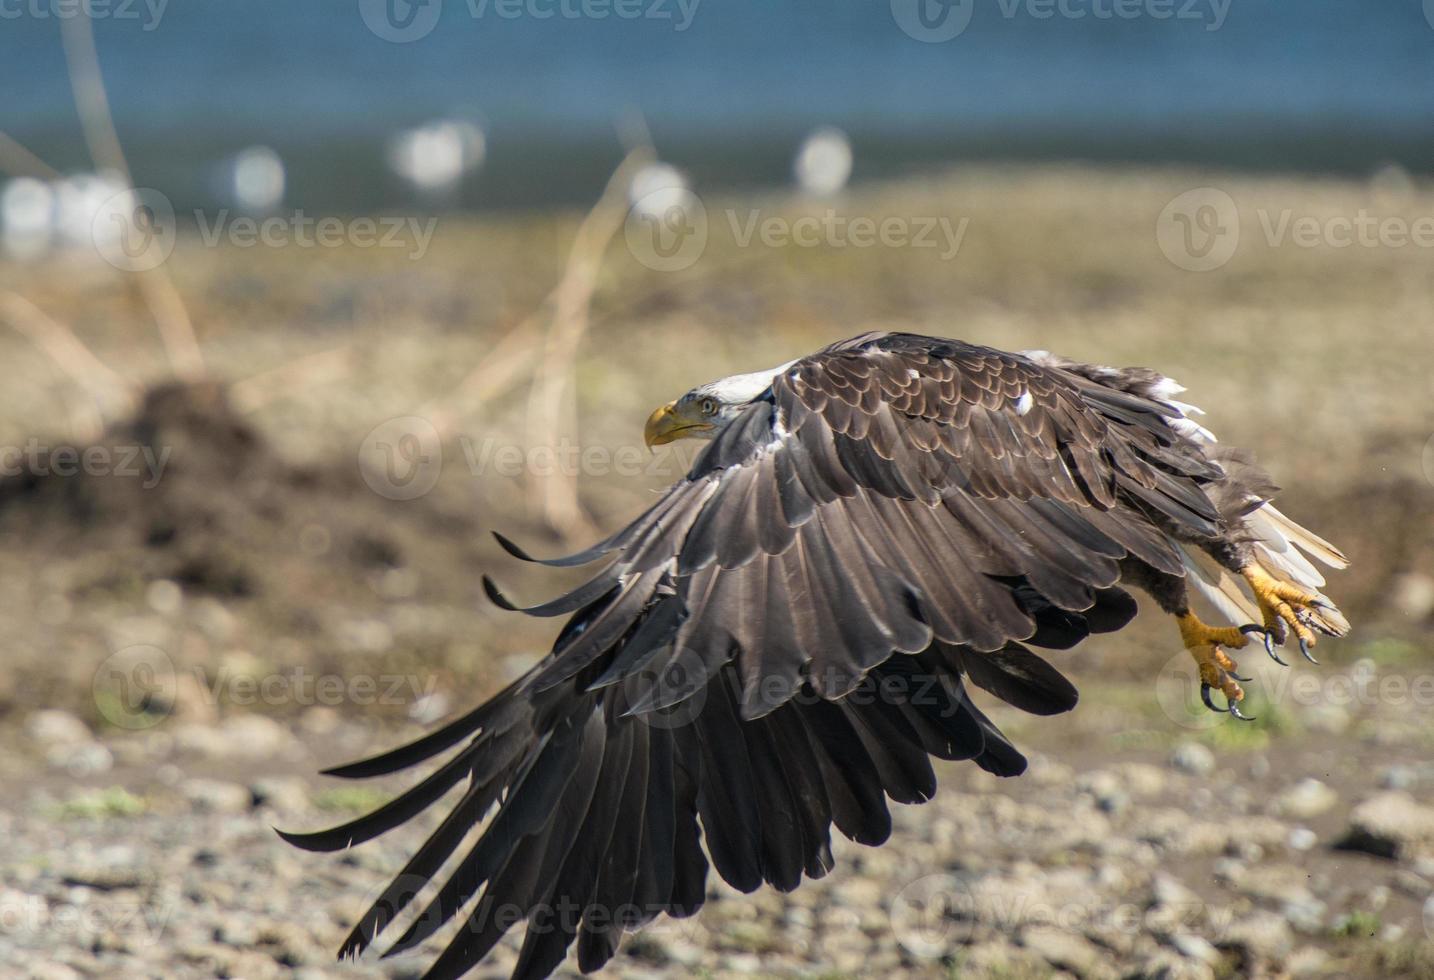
x,y
164,597
215,796
1142,779
1413,595
1411,884
1067,951
1165,965
1302,839
1262,935
51,727
1307,798
1106,788
745,963
237,931
1399,777
1390,825
1305,914
1308,961
429,709
1327,719
81,759
1194,947
1171,891
285,794
256,736
1194,758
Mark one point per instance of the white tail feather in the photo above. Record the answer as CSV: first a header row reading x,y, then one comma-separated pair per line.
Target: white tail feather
x,y
1277,549
1306,539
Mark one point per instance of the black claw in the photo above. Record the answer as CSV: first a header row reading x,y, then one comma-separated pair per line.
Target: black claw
x,y
1305,649
1267,638
1242,680
1235,710
1205,696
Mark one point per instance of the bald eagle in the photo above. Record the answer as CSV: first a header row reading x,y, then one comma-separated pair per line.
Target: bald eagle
x,y
785,638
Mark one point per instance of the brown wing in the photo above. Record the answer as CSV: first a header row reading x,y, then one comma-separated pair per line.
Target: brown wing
x,y
779,644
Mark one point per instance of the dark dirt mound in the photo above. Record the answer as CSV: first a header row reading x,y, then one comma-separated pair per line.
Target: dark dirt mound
x,y
189,491
302,556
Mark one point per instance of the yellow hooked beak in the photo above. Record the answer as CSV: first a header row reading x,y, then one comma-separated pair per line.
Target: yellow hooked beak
x,y
669,423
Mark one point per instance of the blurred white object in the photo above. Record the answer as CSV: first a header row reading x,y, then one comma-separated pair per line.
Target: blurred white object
x,y
656,189
434,157
257,179
1392,186
84,201
27,217
823,164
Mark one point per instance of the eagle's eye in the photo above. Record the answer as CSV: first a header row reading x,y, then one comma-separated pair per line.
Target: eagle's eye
x,y
708,406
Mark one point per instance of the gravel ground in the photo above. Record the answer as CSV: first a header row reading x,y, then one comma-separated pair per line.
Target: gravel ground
x,y
153,855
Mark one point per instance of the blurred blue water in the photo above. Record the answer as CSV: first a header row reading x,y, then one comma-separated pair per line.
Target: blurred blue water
x,y
728,87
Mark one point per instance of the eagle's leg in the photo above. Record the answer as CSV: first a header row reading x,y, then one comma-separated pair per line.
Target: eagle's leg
x,y
1287,609
1207,644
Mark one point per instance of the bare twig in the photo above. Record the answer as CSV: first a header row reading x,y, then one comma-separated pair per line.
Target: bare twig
x,y
494,375
552,405
175,327
258,390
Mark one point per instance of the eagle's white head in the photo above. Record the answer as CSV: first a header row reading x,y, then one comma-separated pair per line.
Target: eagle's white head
x,y
706,408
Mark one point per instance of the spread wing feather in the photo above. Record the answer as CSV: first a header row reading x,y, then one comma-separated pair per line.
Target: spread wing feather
x,y
782,643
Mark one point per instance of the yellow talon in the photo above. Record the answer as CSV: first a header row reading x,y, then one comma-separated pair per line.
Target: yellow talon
x,y
1217,670
1287,609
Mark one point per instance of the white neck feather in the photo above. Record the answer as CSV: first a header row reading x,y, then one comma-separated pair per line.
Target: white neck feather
x,y
745,387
